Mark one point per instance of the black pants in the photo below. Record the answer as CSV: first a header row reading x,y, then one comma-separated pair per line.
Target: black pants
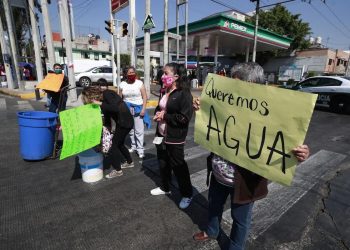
x,y
118,148
171,157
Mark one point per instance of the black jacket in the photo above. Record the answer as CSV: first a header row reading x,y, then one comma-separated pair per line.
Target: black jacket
x,y
114,107
178,114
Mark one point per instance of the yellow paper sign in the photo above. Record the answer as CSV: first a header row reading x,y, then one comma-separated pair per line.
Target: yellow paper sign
x,y
51,82
254,126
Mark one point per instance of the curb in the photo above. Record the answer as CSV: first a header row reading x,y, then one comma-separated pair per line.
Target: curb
x,y
152,103
25,96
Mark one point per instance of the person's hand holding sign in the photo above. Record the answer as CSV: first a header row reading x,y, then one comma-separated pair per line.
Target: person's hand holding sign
x,y
301,152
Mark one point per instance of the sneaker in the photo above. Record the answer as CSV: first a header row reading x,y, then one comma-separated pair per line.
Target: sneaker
x,y
114,173
159,191
132,150
185,202
141,155
127,165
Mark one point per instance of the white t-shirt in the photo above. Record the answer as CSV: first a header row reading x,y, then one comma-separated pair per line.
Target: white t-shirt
x,y
132,92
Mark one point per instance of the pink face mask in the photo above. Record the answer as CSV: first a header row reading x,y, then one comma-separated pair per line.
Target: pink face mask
x,y
167,81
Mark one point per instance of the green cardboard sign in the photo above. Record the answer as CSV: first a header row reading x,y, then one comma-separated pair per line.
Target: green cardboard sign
x,y
81,128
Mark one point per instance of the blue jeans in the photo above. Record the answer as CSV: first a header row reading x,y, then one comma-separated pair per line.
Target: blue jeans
x,y
241,215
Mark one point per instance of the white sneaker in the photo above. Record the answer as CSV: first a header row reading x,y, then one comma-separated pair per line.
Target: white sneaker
x,y
158,191
141,155
185,202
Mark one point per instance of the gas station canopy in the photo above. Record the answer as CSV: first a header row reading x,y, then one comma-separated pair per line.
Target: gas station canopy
x,y
219,35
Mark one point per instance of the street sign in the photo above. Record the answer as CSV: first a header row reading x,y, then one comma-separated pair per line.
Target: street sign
x,y
148,23
174,36
118,5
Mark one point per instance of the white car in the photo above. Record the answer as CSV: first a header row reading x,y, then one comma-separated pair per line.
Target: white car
x,y
333,91
92,75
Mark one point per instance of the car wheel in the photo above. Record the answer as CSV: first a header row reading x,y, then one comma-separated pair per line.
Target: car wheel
x,y
85,81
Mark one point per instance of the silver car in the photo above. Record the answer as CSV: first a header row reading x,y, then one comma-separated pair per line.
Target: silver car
x,y
92,75
333,91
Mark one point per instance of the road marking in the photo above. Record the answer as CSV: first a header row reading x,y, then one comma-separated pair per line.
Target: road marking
x,y
2,104
24,105
281,198
198,179
151,145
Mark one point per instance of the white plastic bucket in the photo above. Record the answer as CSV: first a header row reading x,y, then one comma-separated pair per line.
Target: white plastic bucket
x,y
91,165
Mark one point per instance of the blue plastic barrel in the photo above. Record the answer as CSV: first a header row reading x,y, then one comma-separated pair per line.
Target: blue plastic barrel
x,y
37,134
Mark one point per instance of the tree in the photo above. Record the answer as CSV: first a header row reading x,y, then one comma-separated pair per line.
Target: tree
x,y
282,21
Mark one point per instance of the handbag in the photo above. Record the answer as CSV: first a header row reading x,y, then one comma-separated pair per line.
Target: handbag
x,y
107,137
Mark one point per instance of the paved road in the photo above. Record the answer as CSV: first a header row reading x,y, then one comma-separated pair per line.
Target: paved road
x,y
45,204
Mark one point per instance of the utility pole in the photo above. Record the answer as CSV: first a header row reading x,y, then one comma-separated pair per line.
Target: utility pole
x,y
177,30
347,65
64,17
165,40
132,36
114,69
35,38
146,53
118,54
6,57
256,28
48,34
186,32
14,52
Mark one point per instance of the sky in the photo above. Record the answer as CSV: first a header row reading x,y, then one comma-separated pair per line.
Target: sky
x,y
329,20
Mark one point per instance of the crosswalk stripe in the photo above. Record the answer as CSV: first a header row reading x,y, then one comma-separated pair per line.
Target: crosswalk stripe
x,y
281,198
190,153
2,104
24,105
198,179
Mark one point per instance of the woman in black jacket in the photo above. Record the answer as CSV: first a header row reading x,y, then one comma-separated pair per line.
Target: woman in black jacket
x,y
173,115
113,107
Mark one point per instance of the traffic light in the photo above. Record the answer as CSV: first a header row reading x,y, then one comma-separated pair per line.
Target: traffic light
x,y
110,26
125,29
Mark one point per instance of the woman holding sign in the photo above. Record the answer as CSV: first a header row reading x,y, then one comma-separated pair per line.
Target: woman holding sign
x,y
113,107
173,115
242,185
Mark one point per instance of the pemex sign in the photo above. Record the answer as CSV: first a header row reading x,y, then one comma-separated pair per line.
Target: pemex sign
x,y
118,5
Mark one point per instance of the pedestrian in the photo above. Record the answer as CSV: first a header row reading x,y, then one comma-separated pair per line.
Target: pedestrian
x,y
55,105
134,94
26,73
242,185
113,107
2,73
173,115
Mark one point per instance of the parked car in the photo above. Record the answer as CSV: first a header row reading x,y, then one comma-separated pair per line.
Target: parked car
x,y
333,91
94,74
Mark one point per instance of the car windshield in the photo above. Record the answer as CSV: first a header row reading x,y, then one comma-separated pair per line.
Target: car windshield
x,y
346,77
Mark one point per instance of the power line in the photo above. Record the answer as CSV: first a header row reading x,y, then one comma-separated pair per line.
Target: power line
x,y
223,4
340,21
329,21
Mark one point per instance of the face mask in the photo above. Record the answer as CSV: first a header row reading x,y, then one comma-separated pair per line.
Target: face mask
x,y
131,78
167,81
58,71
